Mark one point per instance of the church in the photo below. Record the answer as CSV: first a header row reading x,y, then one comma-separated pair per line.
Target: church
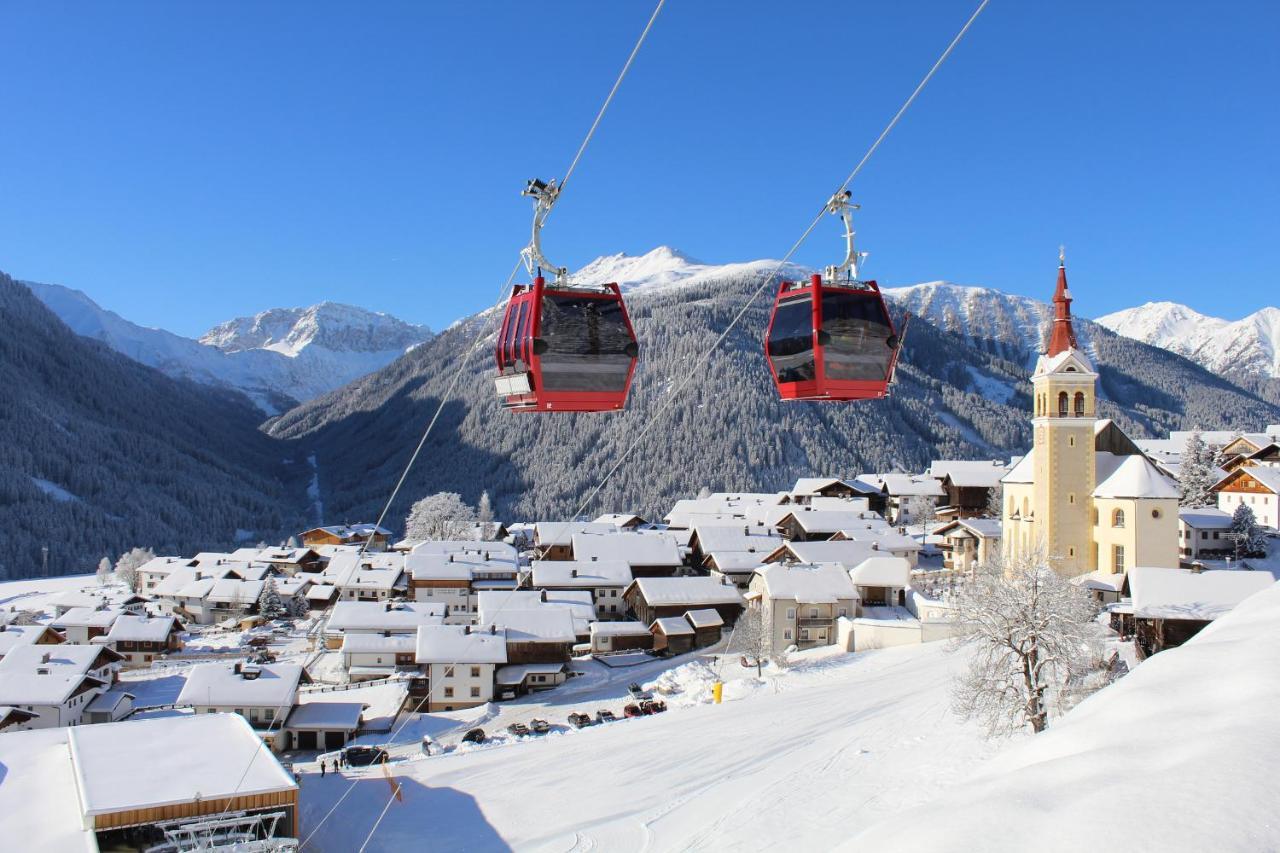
x,y
1085,497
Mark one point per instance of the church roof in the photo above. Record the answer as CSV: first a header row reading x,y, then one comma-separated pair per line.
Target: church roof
x,y
1024,471
1136,477
1063,337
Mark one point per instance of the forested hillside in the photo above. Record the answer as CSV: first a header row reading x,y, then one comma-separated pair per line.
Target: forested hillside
x,y
99,453
958,396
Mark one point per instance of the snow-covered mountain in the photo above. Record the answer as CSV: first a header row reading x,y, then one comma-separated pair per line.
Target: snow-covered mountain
x,y
1248,347
277,358
664,268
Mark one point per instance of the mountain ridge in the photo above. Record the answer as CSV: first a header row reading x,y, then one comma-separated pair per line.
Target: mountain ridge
x,y
1249,346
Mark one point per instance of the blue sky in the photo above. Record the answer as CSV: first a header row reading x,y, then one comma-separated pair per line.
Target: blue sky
x,y
186,163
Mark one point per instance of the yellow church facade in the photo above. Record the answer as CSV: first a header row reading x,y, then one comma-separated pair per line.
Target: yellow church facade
x,y
1085,497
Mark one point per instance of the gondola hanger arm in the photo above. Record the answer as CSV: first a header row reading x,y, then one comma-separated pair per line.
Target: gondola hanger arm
x,y
840,205
544,194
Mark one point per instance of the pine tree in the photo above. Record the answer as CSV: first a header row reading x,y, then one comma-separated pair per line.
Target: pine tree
x,y
299,607
270,605
1245,530
1196,478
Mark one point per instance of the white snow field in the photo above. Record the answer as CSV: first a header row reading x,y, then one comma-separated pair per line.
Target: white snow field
x,y
1181,754
845,739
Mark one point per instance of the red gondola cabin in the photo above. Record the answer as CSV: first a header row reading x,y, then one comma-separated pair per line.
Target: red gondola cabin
x,y
829,341
565,349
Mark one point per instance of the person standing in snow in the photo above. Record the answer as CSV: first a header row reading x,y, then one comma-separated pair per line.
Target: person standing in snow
x,y
323,765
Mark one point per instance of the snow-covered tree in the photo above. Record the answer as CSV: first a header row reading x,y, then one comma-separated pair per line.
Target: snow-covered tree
x,y
751,639
1247,534
995,502
299,608
440,516
129,563
1031,634
484,517
270,605
1196,477
104,571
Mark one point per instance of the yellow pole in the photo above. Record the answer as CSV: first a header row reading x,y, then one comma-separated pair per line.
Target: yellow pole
x,y
717,691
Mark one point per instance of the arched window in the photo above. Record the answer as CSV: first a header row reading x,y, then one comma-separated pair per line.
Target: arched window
x,y
1117,518
1079,404
1062,404
1026,507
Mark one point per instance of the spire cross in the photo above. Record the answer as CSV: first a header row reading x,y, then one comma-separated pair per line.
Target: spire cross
x,y
1062,253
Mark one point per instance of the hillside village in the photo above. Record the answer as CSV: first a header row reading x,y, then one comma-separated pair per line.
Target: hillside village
x,y
352,648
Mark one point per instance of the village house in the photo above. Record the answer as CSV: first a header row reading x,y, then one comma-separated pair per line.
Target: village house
x,y
111,706
708,626
884,540
381,618
579,603
1203,534
1170,606
735,568
906,499
444,572
846,552
553,540
969,486
605,580
112,786
323,725
537,633
881,582
969,542
658,598
607,637
367,577
647,554
155,570
807,488
719,539
799,603
367,656
1254,486
56,683
15,636
672,635
348,534
15,719
460,663
142,639
806,524
621,520
80,625
320,596
517,679
263,694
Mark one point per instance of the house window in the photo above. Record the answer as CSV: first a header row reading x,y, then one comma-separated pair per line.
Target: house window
x,y
475,692
1117,518
813,613
1071,552
1155,513
791,613
475,672
1117,559
269,714
448,672
844,611
448,693
786,635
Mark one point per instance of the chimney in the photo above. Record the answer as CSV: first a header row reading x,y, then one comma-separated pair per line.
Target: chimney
x,y
44,658
543,595
573,573
493,629
466,629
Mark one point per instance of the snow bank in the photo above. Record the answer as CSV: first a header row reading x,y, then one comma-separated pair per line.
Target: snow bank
x,y
1178,755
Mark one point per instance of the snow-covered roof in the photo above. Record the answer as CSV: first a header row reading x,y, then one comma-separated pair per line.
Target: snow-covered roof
x,y
705,618
736,561
1136,477
14,636
618,629
109,700
847,552
1267,476
326,716
1100,580
984,528
384,616
348,531
27,687
967,473
141,629
635,549
562,532
904,485
220,686
87,617
63,658
460,644
163,565
882,571
374,643
581,573
1023,471
672,626
1160,593
543,623
720,538
1205,518
231,591
824,521
1064,361
814,485
321,591
806,583
696,590
883,538
620,519
516,673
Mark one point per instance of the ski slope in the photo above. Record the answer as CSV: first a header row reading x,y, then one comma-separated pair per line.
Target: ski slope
x,y
843,740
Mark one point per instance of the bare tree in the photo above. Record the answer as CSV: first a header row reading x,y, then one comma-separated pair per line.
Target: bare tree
x,y
751,639
104,571
1031,633
484,517
129,563
440,516
995,502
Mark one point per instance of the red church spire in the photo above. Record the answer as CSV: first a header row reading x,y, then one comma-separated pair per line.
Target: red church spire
x,y
1063,337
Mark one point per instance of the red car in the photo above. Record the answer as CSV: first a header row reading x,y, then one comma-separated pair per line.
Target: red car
x,y
632,711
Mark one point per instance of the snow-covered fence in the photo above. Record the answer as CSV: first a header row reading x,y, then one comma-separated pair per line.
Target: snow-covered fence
x,y
354,685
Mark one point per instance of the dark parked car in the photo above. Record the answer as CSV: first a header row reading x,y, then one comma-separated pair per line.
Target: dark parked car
x,y
363,756
581,721
540,727
474,736
518,729
605,716
653,706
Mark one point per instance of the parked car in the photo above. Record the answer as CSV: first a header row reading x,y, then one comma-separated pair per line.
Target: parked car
x,y
637,692
632,711
581,721
604,715
653,706
363,756
518,729
474,736
257,641
540,727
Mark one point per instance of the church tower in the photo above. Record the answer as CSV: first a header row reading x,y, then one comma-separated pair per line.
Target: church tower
x,y
1064,401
